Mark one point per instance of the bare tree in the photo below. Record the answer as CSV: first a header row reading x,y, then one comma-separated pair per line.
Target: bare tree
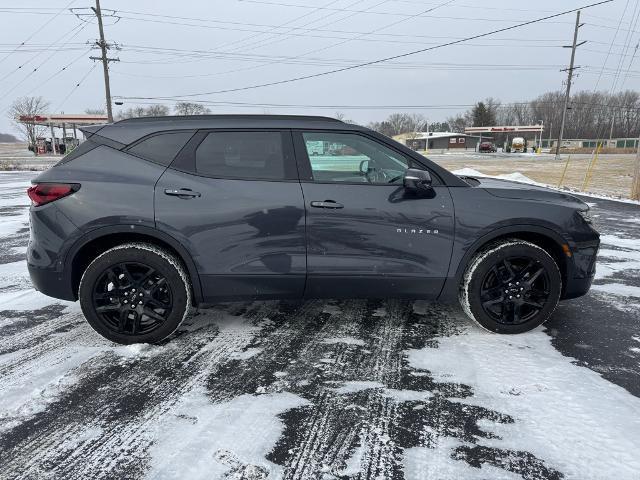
x,y
397,122
459,122
26,108
343,118
157,111
151,111
188,108
416,123
95,111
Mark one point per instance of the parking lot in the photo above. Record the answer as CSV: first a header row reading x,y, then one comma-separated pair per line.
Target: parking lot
x,y
324,389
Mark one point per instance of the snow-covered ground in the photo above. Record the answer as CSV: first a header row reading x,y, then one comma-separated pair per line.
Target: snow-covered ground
x,y
323,389
519,177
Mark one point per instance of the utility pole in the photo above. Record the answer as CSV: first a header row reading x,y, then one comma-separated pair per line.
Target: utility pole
x,y
635,186
613,118
104,46
569,77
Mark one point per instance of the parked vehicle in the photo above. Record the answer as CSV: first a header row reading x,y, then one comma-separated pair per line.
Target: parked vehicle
x,y
487,147
153,216
518,145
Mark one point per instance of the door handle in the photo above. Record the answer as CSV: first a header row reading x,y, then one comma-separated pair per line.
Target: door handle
x,y
327,204
181,192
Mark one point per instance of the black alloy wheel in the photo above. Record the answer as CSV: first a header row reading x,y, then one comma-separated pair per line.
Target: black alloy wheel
x,y
135,293
132,298
511,286
515,290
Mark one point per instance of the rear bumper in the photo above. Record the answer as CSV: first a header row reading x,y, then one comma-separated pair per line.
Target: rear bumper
x,y
50,229
51,283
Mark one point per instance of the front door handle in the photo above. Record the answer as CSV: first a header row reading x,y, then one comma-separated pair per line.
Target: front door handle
x,y
327,204
181,192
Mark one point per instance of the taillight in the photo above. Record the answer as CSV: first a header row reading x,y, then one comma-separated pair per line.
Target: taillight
x,y
42,193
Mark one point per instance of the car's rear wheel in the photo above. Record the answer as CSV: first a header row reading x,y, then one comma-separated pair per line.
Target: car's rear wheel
x,y
512,286
135,293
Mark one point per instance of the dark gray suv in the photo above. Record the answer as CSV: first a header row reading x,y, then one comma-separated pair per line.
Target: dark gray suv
x,y
152,216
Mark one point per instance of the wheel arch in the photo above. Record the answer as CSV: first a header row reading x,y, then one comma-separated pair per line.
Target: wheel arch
x,y
100,240
544,237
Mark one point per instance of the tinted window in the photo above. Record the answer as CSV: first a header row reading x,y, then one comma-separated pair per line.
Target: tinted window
x,y
348,157
81,149
251,155
161,148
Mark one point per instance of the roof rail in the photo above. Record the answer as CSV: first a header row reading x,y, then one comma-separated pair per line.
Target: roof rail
x,y
310,118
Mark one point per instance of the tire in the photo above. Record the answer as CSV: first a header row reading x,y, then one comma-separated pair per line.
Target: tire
x,y
512,286
135,293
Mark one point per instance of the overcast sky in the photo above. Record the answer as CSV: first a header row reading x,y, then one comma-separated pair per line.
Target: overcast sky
x,y
195,46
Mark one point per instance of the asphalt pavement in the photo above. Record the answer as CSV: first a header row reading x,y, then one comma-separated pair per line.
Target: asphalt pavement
x,y
356,389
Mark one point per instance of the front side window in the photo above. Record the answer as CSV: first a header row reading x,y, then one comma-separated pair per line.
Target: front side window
x,y
349,157
161,148
250,155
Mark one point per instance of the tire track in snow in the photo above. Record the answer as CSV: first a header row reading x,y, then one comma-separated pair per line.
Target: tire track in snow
x,y
363,415
102,426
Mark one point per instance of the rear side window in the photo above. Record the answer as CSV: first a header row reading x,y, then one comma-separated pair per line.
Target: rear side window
x,y
81,149
89,144
250,155
161,148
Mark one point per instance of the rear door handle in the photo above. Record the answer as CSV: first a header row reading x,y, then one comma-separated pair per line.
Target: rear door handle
x,y
181,192
327,204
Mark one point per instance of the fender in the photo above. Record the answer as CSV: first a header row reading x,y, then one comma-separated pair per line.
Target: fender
x,y
449,290
142,230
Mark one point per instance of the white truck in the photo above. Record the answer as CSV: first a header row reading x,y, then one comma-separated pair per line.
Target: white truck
x,y
517,144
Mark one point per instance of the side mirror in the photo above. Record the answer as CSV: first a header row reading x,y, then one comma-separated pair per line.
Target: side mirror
x,y
417,181
364,167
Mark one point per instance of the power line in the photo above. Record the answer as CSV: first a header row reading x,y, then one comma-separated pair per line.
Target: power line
x,y
37,31
397,22
399,107
373,62
84,77
55,74
78,29
74,32
290,28
604,64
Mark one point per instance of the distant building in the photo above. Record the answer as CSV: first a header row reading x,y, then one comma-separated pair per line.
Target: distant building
x,y
591,143
443,141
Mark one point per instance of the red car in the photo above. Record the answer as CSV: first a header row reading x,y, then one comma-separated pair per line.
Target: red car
x,y
487,147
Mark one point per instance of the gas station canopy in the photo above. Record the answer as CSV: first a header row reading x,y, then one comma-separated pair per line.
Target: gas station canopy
x,y
62,120
505,129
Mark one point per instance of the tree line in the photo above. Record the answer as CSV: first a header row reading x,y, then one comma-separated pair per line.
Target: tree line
x,y
593,115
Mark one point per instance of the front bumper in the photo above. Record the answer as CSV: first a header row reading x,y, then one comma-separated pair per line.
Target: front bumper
x,y
582,269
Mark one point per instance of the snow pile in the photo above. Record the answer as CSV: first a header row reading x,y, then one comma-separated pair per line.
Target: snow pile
x,y
558,407
513,177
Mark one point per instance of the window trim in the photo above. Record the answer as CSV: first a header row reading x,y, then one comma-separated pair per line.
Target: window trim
x,y
185,161
306,172
128,148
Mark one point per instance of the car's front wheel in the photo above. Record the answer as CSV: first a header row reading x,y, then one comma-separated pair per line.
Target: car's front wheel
x,y
135,293
511,286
